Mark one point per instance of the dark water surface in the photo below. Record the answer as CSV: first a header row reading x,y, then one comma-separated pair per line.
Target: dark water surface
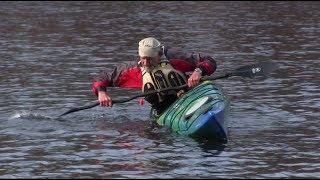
x,y
50,51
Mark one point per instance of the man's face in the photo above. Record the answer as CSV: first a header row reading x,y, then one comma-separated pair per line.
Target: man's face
x,y
149,62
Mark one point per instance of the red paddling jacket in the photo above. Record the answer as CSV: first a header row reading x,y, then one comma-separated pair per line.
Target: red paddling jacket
x,y
130,75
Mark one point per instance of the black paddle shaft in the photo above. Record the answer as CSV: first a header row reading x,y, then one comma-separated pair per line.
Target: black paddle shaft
x,y
259,69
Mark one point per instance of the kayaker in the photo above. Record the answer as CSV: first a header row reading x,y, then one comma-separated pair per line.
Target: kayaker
x,y
158,67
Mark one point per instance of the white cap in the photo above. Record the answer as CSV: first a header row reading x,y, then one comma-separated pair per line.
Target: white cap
x,y
149,47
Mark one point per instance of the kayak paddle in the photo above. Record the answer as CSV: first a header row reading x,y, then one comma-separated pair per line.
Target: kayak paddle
x,y
259,69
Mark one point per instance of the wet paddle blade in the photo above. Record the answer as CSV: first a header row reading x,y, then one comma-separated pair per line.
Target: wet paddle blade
x,y
259,69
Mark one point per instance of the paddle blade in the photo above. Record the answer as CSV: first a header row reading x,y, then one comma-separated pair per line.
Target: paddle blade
x,y
259,69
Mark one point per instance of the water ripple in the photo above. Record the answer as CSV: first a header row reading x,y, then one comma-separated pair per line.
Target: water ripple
x,y
52,51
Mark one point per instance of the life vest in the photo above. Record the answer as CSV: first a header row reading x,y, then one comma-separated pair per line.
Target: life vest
x,y
163,76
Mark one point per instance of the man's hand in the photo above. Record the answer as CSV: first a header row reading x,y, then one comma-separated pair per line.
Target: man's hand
x,y
194,79
104,99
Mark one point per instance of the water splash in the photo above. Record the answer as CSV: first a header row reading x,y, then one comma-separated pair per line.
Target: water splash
x,y
30,115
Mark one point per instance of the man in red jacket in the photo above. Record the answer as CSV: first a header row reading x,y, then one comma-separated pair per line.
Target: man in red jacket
x,y
152,72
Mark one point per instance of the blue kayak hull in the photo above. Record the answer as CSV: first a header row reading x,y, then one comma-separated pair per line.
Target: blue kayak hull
x,y
201,113
214,126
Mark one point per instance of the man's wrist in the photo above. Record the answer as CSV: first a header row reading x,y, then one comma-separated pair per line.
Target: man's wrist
x,y
104,89
198,70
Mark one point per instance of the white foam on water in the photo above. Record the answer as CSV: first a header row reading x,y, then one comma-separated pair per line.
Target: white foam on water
x,y
29,115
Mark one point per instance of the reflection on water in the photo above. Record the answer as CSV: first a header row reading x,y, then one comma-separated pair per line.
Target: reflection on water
x,y
50,51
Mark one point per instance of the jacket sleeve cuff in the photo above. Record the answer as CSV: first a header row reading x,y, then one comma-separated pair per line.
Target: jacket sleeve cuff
x,y
104,89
